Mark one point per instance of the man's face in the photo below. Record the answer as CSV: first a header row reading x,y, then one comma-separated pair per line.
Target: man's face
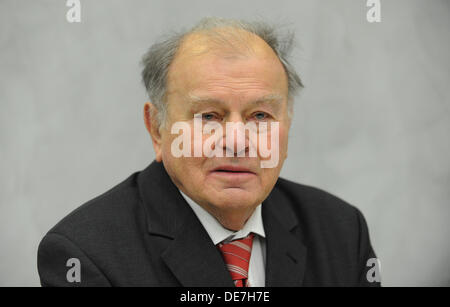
x,y
223,88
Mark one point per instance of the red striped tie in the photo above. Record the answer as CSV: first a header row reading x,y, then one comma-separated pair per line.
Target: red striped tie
x,y
237,257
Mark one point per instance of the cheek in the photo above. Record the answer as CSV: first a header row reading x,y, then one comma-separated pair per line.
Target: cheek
x,y
166,142
269,177
283,137
274,140
184,167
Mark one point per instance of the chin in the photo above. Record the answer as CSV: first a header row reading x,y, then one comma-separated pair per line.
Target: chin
x,y
237,198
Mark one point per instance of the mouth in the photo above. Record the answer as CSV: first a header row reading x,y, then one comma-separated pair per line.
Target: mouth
x,y
231,171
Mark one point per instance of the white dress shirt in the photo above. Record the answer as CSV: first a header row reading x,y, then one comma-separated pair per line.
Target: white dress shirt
x,y
218,233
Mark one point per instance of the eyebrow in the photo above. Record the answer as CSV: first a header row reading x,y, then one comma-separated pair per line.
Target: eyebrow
x,y
193,99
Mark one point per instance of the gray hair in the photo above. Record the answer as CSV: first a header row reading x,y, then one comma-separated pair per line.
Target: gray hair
x,y
158,58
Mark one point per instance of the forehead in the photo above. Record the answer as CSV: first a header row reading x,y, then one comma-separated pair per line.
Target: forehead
x,y
244,68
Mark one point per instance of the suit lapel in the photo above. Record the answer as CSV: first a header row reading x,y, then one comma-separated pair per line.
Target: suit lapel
x,y
189,253
286,254
195,260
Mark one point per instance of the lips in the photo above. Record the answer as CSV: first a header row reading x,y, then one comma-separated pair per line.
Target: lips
x,y
232,174
232,169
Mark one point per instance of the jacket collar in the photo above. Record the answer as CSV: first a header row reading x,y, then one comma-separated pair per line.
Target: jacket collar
x,y
286,254
191,255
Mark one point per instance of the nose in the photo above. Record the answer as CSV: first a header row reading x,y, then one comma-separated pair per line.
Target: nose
x,y
236,141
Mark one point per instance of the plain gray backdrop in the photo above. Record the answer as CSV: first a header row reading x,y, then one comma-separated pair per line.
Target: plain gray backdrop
x,y
372,125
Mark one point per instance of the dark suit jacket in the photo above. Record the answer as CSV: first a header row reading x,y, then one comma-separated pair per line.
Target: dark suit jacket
x,y
143,233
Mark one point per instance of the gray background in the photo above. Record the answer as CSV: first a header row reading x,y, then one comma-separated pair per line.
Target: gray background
x,y
371,125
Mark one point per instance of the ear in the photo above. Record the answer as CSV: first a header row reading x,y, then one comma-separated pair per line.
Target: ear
x,y
152,126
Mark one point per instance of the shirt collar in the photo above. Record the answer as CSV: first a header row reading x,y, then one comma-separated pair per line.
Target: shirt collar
x,y
217,232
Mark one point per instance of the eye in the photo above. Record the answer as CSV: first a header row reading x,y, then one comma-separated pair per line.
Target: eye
x,y
260,115
209,116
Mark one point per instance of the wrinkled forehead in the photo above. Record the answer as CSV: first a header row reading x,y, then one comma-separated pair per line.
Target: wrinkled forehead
x,y
226,59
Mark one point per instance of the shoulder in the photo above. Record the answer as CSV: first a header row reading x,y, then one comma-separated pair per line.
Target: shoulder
x,y
334,232
309,198
319,211
108,214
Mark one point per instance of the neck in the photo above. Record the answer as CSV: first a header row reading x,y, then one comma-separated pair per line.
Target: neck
x,y
231,219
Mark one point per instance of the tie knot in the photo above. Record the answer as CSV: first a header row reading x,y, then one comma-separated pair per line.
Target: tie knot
x,y
237,258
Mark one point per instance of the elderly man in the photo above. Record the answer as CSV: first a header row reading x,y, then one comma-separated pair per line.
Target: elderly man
x,y
212,210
